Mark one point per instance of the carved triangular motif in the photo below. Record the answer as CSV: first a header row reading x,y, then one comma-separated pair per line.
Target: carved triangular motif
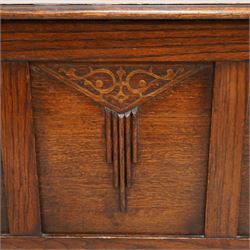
x,y
120,88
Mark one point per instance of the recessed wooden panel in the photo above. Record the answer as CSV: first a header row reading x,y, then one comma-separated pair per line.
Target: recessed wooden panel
x,y
167,195
244,198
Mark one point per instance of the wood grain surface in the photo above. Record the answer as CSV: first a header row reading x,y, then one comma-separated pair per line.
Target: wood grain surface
x,y
115,151
244,220
122,169
169,179
120,87
97,153
128,149
119,147
108,136
130,41
207,11
4,211
125,242
227,129
18,151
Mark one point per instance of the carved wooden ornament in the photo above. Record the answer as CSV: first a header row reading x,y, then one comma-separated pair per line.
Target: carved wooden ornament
x,y
121,89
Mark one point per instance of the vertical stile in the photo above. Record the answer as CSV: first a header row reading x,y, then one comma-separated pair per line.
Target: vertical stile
x,y
228,114
18,150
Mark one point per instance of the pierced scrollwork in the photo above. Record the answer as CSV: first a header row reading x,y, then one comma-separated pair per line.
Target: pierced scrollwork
x,y
120,88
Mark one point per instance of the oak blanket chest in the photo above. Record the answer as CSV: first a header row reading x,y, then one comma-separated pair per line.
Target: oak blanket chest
x,y
125,127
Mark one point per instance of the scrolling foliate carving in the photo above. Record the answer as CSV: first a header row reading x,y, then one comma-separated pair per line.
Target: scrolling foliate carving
x,y
121,89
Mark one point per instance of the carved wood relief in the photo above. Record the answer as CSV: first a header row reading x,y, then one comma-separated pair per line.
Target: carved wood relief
x,y
120,90
121,148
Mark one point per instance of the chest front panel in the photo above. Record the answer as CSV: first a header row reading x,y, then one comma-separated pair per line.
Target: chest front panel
x,y
126,129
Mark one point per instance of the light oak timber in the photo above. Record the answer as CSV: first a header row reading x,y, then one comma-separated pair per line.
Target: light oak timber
x,y
18,151
227,129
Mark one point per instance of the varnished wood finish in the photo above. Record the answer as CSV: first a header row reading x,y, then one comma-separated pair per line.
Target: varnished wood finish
x,y
120,87
134,136
229,107
142,137
76,182
151,11
244,220
128,150
140,41
120,142
115,150
122,171
125,242
108,126
18,151
4,208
